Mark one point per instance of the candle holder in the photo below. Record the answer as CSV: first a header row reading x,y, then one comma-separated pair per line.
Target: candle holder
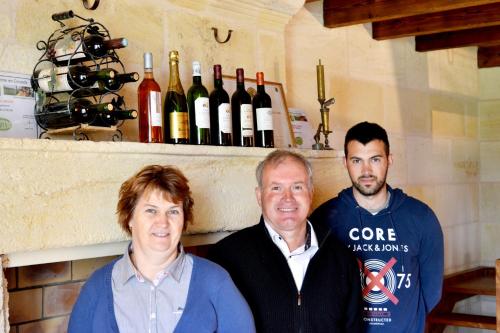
x,y
323,127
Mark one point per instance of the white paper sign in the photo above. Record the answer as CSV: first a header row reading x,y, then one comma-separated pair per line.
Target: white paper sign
x,y
302,130
17,101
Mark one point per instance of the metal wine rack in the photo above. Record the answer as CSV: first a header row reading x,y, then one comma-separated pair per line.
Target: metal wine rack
x,y
80,56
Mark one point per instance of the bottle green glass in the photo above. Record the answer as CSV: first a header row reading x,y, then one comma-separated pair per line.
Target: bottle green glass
x,y
106,86
57,79
108,119
221,124
198,110
175,113
73,49
118,81
70,113
241,106
263,115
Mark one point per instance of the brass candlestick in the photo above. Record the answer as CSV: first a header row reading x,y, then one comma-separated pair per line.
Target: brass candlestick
x,y
323,126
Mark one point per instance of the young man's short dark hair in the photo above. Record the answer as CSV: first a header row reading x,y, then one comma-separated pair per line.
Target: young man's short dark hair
x,y
365,132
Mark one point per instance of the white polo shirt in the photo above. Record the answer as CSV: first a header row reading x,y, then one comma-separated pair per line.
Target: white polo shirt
x,y
297,260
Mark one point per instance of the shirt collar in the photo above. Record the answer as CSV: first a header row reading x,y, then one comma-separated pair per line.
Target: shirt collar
x,y
127,270
311,239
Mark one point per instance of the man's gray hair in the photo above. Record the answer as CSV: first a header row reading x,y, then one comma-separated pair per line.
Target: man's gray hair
x,y
278,156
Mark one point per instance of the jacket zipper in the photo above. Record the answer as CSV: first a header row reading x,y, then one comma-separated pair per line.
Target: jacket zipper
x,y
299,299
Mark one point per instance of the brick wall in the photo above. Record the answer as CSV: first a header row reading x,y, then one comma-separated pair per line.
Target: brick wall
x,y
42,296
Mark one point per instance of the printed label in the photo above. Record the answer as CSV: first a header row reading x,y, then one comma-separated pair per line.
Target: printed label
x,y
155,108
67,47
264,119
246,116
225,123
54,79
179,125
202,112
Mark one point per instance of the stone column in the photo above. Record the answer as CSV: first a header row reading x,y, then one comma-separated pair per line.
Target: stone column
x,y
4,301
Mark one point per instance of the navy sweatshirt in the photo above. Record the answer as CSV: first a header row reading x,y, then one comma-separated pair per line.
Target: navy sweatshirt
x,y
400,253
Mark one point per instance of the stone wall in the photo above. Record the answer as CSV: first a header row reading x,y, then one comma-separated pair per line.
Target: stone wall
x,y
428,102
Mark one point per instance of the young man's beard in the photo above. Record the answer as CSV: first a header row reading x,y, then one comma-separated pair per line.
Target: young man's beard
x,y
379,185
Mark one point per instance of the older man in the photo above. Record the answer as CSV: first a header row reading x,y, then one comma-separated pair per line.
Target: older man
x,y
296,278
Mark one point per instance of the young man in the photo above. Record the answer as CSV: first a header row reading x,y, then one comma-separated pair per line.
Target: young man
x,y
397,239
295,277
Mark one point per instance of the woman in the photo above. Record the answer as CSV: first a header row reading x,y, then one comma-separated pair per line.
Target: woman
x,y
156,287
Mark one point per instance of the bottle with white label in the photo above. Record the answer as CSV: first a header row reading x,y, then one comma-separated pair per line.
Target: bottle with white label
x,y
241,106
149,98
175,112
198,110
221,123
263,115
73,48
67,78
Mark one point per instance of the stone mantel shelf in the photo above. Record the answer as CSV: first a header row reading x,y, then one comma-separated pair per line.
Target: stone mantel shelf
x,y
11,144
60,196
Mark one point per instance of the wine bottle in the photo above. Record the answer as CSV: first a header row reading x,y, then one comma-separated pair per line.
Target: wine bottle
x,y
93,45
112,118
176,129
242,112
149,97
115,83
199,111
220,112
106,86
263,115
67,78
70,113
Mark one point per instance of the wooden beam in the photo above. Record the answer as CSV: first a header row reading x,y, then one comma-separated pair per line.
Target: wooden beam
x,y
498,293
458,19
462,38
338,13
488,56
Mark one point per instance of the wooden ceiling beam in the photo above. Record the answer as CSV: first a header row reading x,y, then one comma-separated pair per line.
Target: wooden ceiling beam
x,y
457,19
338,13
462,38
488,56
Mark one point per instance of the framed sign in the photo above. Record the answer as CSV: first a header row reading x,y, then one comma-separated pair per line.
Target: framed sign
x,y
17,103
283,131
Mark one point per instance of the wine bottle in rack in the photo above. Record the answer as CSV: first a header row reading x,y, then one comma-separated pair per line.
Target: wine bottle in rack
x,y
241,107
93,45
263,115
220,112
199,110
115,83
149,97
69,113
112,118
106,86
175,113
67,78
